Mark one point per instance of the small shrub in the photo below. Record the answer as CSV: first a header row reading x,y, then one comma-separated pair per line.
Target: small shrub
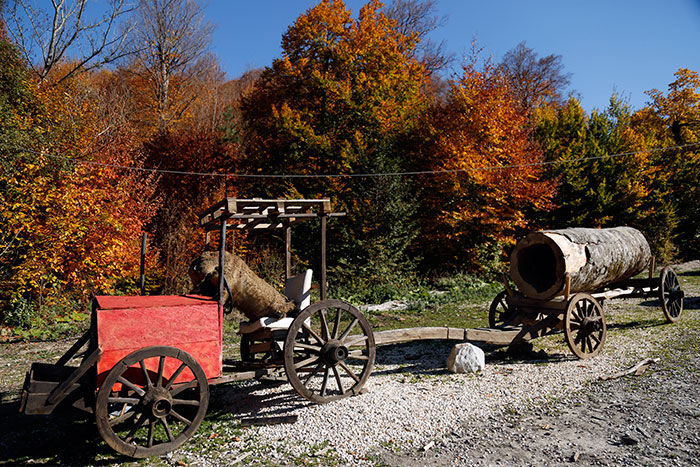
x,y
21,313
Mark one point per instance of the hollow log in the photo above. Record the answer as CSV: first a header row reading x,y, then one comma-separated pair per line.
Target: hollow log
x,y
254,297
592,258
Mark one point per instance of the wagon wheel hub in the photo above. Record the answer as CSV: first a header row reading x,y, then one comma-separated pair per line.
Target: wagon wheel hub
x,y
334,352
677,294
589,325
158,401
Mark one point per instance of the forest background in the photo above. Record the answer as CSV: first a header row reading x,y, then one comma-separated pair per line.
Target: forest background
x,y
103,112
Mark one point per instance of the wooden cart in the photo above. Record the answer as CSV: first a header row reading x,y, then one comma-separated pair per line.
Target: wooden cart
x,y
147,362
580,316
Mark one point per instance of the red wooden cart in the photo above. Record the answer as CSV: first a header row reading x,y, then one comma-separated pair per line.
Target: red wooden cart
x,y
148,361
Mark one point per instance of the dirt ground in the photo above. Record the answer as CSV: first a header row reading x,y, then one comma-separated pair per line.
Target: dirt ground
x,y
651,419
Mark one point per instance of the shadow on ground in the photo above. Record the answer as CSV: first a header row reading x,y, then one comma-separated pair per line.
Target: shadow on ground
x,y
59,439
69,438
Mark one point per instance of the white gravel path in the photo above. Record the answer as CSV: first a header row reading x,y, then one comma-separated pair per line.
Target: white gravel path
x,y
411,401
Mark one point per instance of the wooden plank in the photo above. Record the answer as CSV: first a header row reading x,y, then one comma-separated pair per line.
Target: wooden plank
x,y
395,336
115,302
494,336
70,353
525,302
207,213
285,220
324,283
62,390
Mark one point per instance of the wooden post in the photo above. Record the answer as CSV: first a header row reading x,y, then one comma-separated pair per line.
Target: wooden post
x,y
288,251
652,266
222,261
509,290
142,281
323,256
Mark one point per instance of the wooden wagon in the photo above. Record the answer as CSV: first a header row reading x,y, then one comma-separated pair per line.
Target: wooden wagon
x,y
147,361
602,259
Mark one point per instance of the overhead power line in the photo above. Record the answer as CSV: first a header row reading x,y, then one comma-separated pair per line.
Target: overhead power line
x,y
354,175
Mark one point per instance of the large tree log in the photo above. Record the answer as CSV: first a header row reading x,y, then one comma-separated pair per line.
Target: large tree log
x,y
592,258
254,297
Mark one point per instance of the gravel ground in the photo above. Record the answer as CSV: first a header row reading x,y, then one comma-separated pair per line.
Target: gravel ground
x,y
539,407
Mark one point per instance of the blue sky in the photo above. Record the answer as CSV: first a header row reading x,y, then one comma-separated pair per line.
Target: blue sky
x,y
615,45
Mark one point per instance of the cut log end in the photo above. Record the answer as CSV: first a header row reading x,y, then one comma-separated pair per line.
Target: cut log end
x,y
537,263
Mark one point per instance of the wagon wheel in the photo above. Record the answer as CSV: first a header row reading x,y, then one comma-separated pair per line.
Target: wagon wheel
x,y
671,295
500,312
151,402
329,351
584,326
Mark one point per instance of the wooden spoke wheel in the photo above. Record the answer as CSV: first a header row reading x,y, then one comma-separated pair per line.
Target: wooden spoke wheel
x,y
671,295
151,402
329,351
584,326
500,312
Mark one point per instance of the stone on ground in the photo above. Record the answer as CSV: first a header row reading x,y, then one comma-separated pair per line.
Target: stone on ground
x,y
466,358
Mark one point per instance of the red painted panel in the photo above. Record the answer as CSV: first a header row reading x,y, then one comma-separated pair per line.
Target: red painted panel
x,y
201,351
112,302
126,324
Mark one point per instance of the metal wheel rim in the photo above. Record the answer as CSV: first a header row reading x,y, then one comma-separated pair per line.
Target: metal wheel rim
x,y
318,329
670,295
132,420
584,326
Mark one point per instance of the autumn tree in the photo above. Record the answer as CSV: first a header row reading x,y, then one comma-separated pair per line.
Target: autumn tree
x,y
537,81
672,120
68,30
481,140
71,222
600,186
17,106
170,42
177,234
337,102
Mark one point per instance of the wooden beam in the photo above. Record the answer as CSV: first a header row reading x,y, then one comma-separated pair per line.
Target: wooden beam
x,y
486,335
222,263
323,257
288,251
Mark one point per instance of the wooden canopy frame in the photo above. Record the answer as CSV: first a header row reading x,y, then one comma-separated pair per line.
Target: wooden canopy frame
x,y
267,214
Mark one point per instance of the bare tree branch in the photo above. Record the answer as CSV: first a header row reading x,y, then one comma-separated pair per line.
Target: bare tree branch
x,y
537,81
420,17
66,31
171,37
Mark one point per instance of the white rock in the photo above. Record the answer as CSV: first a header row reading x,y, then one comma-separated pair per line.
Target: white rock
x,y
466,358
393,305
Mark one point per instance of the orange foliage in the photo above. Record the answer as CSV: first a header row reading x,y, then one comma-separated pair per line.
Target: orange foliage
x,y
77,225
483,136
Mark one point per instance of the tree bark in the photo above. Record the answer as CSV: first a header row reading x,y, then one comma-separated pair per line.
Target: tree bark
x,y
592,258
